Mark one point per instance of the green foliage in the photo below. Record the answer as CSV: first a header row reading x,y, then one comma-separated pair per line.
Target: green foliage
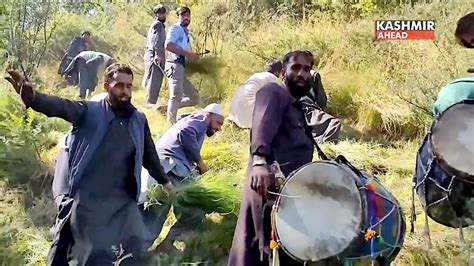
x,y
23,135
21,242
214,192
383,89
30,25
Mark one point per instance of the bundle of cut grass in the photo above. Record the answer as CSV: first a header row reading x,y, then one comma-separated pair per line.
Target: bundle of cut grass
x,y
214,193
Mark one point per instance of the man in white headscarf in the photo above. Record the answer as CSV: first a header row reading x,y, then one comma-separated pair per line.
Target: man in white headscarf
x,y
179,150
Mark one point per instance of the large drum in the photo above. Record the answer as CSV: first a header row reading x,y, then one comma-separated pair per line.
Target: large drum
x,y
328,209
445,167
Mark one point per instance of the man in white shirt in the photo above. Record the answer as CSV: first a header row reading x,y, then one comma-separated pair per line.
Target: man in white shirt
x,y
242,105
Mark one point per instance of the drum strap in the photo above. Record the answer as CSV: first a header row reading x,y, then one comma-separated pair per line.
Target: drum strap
x,y
309,132
342,159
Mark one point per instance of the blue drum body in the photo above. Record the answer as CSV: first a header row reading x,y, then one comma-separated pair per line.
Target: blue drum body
x,y
446,193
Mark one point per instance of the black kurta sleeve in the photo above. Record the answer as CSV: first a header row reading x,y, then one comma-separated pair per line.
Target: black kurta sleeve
x,y
321,98
53,106
151,161
270,103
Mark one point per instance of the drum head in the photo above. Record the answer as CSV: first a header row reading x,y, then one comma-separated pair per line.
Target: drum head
x,y
453,138
319,212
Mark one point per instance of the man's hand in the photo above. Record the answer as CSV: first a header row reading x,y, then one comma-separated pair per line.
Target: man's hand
x,y
170,188
202,167
261,179
192,55
21,85
157,60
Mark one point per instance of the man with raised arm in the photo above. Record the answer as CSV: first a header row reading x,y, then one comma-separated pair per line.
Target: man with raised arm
x,y
99,222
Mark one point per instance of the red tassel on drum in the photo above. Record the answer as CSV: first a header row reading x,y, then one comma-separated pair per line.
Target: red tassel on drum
x,y
273,241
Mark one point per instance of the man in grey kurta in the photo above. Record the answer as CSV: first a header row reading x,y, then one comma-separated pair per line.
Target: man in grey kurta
x,y
179,150
277,134
77,45
154,56
86,67
99,222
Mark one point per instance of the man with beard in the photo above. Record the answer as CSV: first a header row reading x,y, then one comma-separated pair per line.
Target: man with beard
x,y
155,56
465,31
77,45
182,92
179,150
99,222
278,134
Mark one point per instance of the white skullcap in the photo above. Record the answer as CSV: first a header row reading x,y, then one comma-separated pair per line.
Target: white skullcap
x,y
214,108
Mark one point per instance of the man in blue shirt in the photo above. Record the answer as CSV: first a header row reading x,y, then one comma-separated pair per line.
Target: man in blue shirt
x,y
182,92
179,150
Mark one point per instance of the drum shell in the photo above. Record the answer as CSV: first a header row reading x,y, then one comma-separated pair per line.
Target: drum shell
x,y
443,195
392,229
468,177
351,245
392,226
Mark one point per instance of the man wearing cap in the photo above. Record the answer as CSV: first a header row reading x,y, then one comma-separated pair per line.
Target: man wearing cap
x,y
154,56
179,150
182,92
77,45
244,100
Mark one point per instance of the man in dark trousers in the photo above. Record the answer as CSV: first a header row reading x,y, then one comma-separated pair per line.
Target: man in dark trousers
x,y
278,134
155,56
77,45
99,222
85,67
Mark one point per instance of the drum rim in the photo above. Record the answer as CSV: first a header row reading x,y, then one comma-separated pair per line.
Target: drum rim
x,y
435,152
276,206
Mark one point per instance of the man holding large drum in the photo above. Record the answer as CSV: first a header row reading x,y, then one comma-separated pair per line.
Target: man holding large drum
x,y
278,134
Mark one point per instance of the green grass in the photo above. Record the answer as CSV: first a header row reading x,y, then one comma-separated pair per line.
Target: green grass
x,y
366,81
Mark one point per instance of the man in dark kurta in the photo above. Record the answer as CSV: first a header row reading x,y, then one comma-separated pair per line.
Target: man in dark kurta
x,y
99,222
277,134
77,45
154,56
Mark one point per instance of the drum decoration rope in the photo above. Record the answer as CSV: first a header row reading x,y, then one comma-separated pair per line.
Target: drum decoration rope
x,y
373,221
413,211
274,242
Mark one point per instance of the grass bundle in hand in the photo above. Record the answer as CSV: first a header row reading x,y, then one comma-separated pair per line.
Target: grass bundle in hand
x,y
213,193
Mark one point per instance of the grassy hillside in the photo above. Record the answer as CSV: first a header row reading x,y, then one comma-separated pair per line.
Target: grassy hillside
x,y
381,89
